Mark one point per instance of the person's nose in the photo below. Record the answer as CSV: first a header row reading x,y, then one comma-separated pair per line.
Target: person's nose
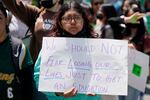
x,y
73,21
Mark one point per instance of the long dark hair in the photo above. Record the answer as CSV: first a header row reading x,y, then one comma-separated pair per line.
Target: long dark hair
x,y
109,11
87,28
139,37
130,4
3,9
140,26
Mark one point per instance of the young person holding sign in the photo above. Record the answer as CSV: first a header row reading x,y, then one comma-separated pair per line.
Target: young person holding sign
x,y
71,22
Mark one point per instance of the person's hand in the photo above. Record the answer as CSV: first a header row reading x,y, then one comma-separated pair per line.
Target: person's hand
x,y
134,19
131,45
70,93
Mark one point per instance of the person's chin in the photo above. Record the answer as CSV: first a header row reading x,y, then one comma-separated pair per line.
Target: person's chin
x,y
73,33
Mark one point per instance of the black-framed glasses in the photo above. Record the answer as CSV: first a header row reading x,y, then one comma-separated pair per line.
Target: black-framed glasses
x,y
69,19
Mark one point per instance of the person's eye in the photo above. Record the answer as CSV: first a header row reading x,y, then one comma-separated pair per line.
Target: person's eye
x,y
77,17
66,18
69,18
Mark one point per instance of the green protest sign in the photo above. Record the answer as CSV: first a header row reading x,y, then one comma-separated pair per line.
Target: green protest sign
x,y
137,69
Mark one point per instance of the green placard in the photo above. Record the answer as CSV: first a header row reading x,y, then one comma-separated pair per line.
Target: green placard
x,y
137,70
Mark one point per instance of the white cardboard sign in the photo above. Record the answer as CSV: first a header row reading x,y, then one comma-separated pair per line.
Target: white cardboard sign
x,y
91,65
138,69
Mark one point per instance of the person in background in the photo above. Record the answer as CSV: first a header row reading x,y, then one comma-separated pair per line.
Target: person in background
x,y
93,10
134,33
39,21
147,36
118,24
11,86
71,21
124,7
102,27
16,27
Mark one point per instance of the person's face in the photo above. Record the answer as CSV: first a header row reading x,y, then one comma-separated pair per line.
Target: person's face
x,y
134,8
3,23
101,15
125,5
72,22
96,5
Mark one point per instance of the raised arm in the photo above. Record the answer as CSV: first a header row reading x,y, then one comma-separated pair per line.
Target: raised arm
x,y
25,12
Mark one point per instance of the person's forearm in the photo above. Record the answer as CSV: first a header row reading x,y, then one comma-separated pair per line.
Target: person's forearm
x,y
24,12
13,6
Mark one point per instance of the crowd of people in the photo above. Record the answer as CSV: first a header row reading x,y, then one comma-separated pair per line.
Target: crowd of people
x,y
34,19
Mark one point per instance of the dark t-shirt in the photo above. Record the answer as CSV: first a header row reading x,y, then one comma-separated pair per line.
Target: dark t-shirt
x,y
9,84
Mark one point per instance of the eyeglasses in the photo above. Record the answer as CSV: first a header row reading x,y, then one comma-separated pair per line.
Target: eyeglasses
x,y
96,3
68,19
